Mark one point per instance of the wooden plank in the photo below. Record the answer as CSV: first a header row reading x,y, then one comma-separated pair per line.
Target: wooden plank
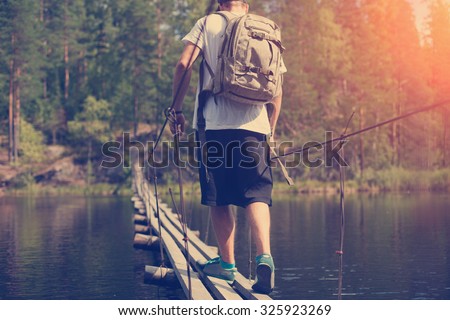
x,y
147,197
219,288
176,257
178,262
198,249
241,284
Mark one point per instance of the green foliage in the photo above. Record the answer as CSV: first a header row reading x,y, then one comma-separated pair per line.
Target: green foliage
x,y
97,189
92,124
32,147
91,68
24,181
401,179
89,173
94,109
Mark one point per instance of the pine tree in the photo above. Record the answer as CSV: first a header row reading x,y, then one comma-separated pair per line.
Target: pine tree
x,y
137,43
439,58
19,34
62,36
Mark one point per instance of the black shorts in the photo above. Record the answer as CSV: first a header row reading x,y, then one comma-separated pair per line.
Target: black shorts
x,y
238,169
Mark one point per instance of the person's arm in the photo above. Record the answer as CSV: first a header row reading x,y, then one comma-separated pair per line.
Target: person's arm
x,y
181,80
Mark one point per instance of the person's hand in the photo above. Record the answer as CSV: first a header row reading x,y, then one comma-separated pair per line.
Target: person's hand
x,y
177,123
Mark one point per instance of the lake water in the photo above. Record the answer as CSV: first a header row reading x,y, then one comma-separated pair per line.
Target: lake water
x,y
397,246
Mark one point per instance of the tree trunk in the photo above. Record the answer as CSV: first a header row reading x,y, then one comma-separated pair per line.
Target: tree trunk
x,y
54,137
376,140
85,71
41,10
135,92
159,52
89,164
426,162
394,137
66,72
135,114
44,48
44,88
399,137
445,116
159,36
17,115
11,110
66,55
80,67
361,143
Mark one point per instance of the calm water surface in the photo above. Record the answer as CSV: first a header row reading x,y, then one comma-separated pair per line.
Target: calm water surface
x,y
72,248
396,247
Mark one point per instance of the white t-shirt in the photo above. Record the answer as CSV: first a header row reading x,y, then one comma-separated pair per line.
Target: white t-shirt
x,y
223,113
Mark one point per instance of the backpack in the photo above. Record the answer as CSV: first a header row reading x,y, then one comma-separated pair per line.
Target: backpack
x,y
249,61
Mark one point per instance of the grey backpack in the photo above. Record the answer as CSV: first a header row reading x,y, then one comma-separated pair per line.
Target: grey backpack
x,y
249,61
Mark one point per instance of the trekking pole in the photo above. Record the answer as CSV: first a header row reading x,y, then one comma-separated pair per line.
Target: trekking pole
x,y
182,212
169,110
270,109
380,124
340,252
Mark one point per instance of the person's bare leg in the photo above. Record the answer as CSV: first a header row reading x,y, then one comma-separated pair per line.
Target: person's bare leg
x,y
259,217
224,227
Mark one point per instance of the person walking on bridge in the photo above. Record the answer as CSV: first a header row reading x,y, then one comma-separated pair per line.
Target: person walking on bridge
x,y
230,122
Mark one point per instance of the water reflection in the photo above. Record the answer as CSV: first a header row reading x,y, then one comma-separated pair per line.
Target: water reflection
x,y
396,247
71,248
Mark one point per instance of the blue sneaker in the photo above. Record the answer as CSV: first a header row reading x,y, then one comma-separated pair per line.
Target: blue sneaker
x,y
215,269
265,274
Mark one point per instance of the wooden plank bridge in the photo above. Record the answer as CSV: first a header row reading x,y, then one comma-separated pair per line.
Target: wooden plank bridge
x,y
164,231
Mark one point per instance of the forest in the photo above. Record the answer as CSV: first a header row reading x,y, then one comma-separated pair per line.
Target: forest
x,y
79,73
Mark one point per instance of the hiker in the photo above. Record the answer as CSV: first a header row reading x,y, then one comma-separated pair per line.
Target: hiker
x,y
227,121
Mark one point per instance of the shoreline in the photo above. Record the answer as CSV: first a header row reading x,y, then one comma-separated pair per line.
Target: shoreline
x,y
280,189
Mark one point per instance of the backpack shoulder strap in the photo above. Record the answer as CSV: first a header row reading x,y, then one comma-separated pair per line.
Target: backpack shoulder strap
x,y
225,14
228,16
204,64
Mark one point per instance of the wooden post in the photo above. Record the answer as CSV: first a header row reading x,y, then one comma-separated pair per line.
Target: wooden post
x,y
160,276
139,205
140,219
141,229
146,242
